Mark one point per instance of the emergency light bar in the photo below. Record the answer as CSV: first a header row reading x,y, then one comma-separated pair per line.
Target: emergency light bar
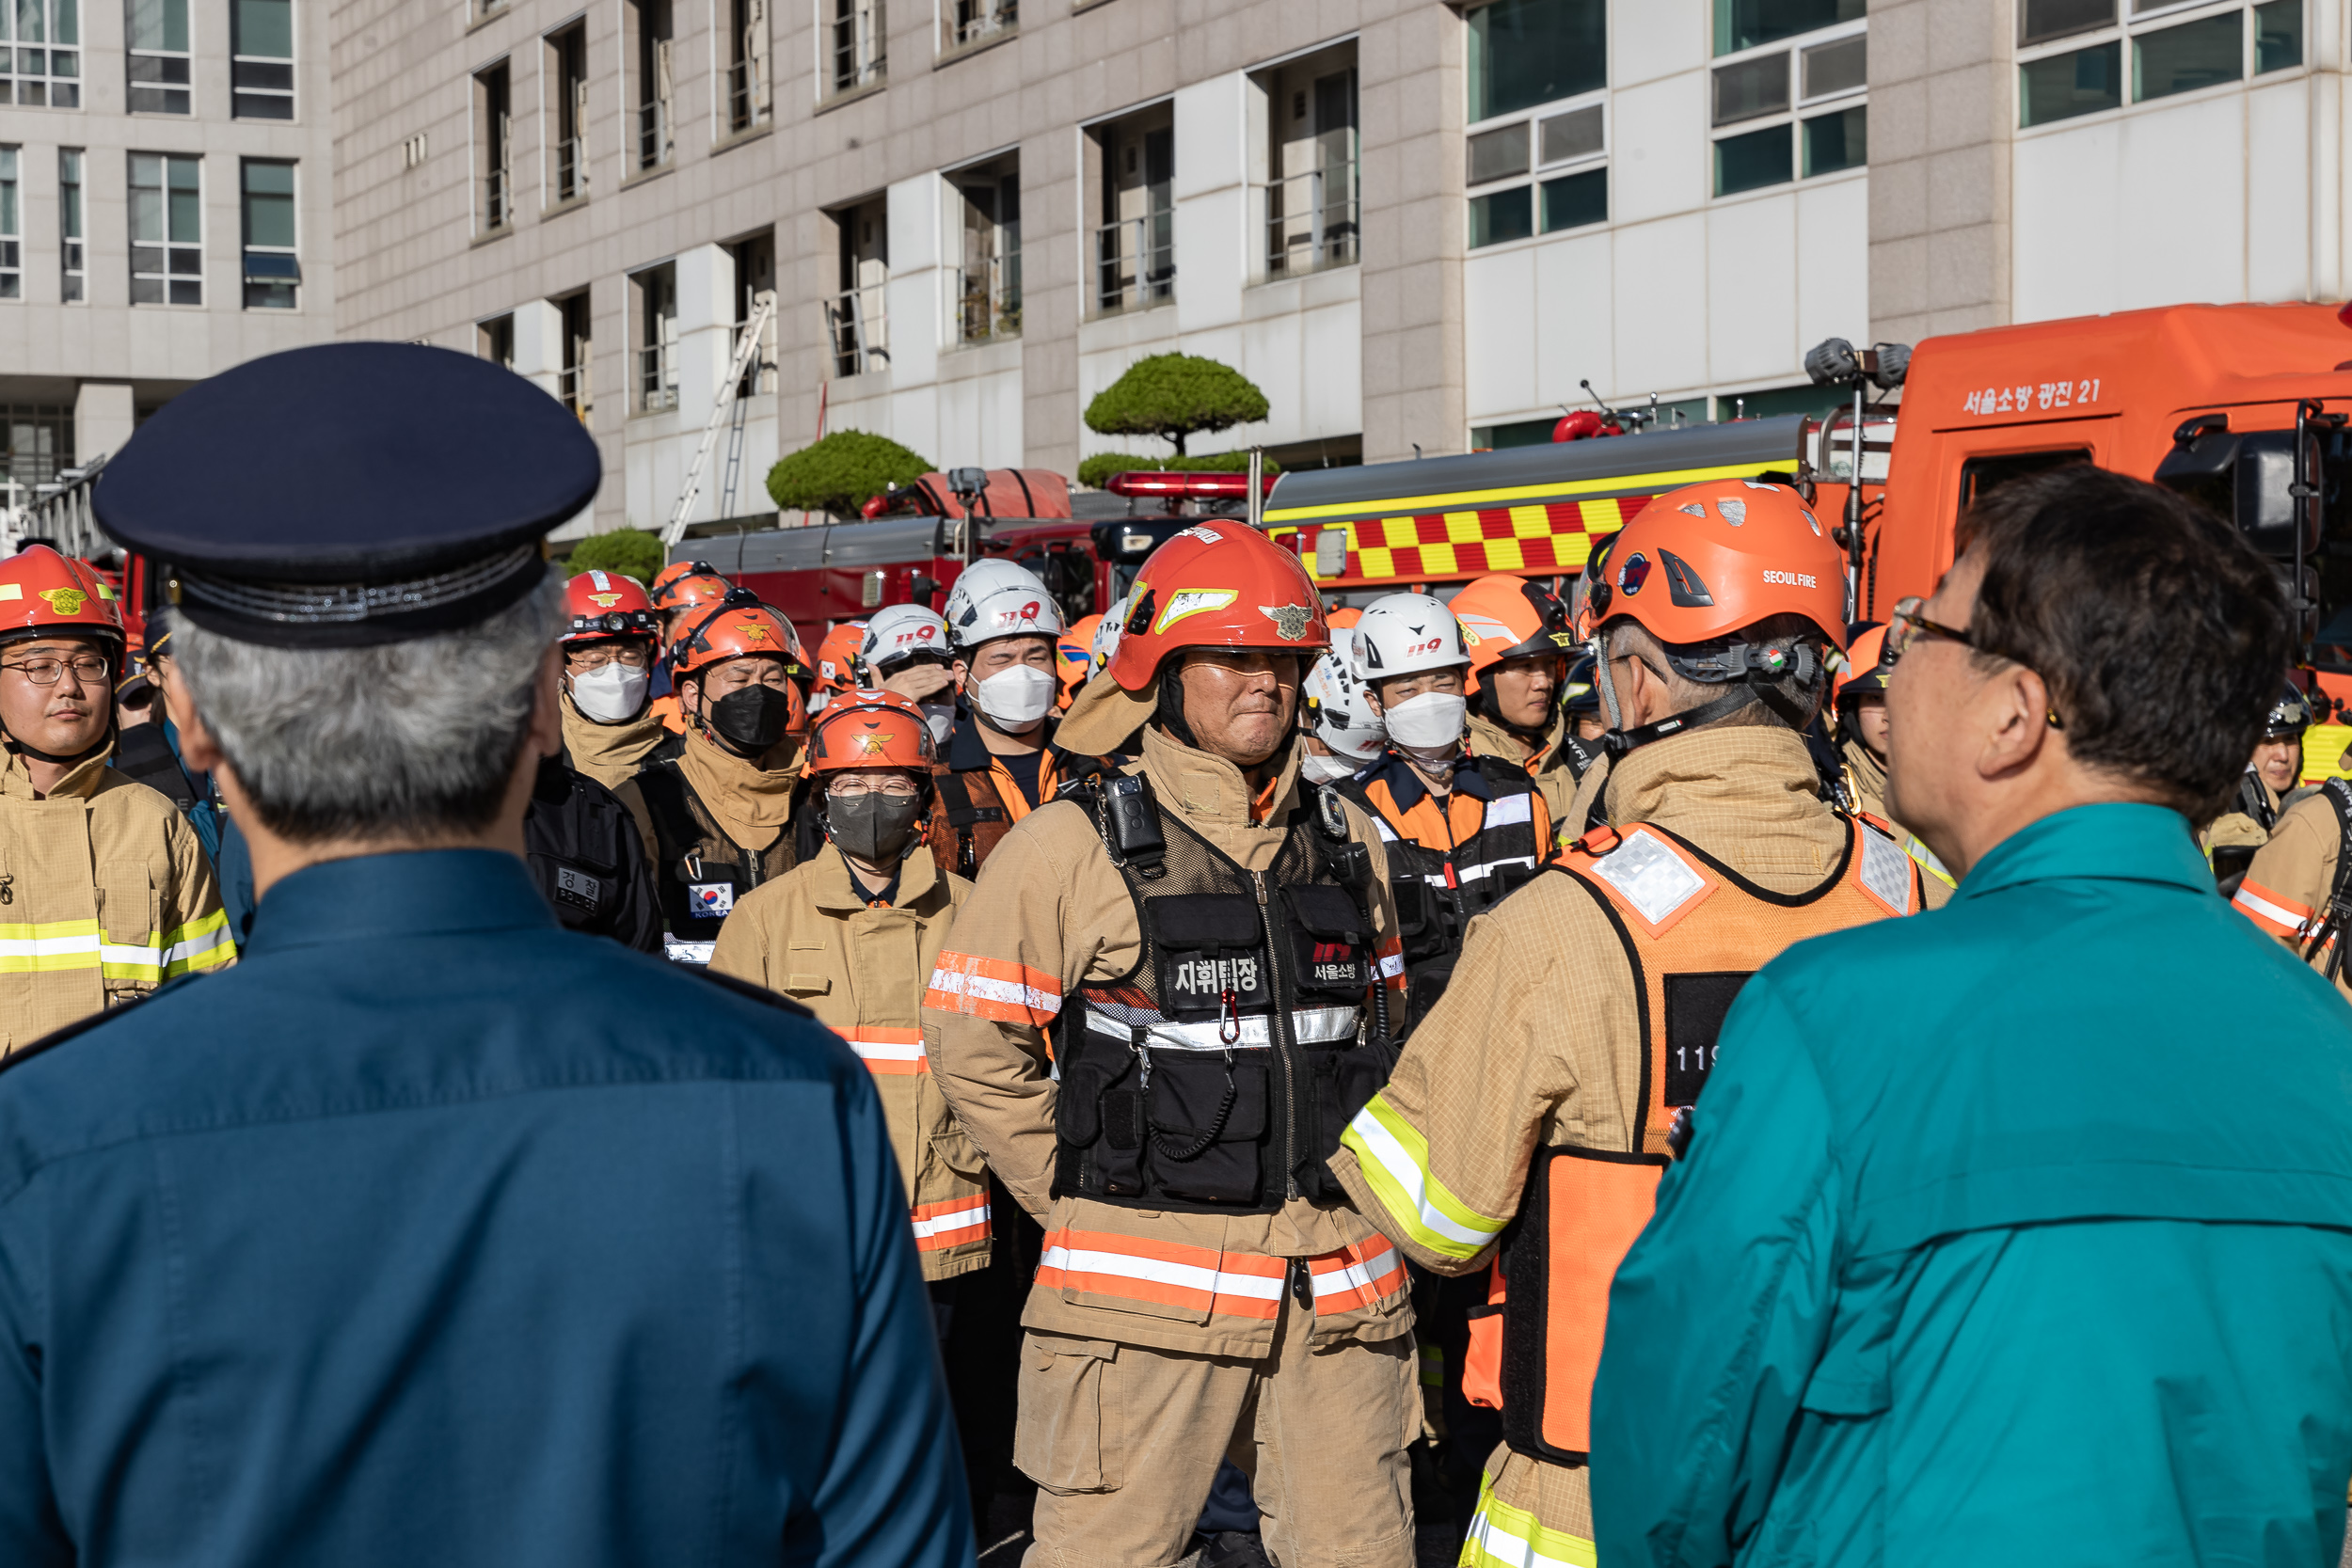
x,y
1163,484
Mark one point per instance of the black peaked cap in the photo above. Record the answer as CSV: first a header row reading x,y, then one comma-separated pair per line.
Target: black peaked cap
x,y
349,494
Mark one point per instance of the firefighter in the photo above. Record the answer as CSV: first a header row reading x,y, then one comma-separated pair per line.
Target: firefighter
x,y
1462,830
1519,644
836,665
2231,839
1581,1020
1199,1292
1073,658
717,818
1579,701
105,891
1342,729
1000,763
433,1233
679,592
905,650
610,640
1858,694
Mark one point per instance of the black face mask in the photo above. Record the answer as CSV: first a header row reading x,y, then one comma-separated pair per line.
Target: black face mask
x,y
876,829
753,718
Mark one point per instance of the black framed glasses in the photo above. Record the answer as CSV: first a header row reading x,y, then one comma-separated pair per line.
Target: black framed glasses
x,y
1907,628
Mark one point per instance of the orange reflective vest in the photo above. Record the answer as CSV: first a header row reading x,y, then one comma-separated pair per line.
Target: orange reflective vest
x,y
1694,930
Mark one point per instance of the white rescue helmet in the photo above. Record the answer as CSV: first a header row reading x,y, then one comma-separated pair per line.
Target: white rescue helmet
x,y
899,632
1106,635
1337,711
1403,634
996,599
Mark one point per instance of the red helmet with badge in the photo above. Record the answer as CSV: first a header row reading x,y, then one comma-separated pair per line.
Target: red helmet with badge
x,y
1219,584
601,605
836,656
44,593
676,591
870,729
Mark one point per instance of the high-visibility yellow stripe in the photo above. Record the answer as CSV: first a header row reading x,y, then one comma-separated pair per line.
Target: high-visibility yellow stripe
x,y
201,944
1395,1159
47,931
1502,1536
1629,484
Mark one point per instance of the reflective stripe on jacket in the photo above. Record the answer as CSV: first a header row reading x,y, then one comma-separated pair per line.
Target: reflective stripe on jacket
x,y
104,894
812,936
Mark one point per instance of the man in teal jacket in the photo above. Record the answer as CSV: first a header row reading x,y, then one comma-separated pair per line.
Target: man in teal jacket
x,y
2000,1237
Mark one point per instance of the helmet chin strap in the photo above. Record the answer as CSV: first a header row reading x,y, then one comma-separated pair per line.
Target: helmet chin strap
x,y
1750,669
22,749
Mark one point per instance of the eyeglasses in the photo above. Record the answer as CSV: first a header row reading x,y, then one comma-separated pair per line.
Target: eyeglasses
x,y
635,655
896,789
88,668
1907,628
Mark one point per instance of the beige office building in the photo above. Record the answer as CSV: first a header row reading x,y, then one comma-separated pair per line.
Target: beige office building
x,y
1416,226
165,210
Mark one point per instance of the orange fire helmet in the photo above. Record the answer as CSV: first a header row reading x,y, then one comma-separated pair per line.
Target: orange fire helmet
x,y
870,729
1343,617
44,593
1706,562
836,656
1219,584
1861,676
601,605
736,631
696,586
1505,616
1073,656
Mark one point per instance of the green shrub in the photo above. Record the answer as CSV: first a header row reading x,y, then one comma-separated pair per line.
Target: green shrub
x,y
1173,396
630,552
1096,471
842,472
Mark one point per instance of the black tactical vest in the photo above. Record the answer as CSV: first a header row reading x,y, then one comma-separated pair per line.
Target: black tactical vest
x,y
1217,1074
699,872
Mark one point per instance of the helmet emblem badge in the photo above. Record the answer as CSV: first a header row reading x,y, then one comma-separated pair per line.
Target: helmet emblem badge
x,y
1290,620
65,601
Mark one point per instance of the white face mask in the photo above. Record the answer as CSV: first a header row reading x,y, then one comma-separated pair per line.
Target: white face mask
x,y
1431,721
941,718
1017,697
611,694
1328,770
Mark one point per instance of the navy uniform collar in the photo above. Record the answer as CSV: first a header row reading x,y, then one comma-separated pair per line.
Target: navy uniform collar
x,y
1405,782
2113,841
411,892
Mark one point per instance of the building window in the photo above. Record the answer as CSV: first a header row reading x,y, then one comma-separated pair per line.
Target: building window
x,y
1312,196
2084,75
567,66
653,296
1524,53
967,23
260,69
70,221
574,384
1563,153
651,82
859,50
167,230
272,272
494,134
747,64
44,67
1135,224
156,69
988,283
857,325
1811,94
36,441
494,339
12,232
1750,23
755,286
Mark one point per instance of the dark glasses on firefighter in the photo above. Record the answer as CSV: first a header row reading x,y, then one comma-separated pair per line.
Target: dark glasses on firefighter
x,y
1907,628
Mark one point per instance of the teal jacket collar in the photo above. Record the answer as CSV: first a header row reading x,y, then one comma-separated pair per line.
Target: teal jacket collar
x,y
2116,842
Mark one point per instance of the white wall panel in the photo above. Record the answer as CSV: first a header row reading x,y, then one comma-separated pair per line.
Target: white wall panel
x,y
1833,262
1575,336
2178,183
2279,217
1648,39
1750,288
1661,299
2064,197
1659,155
1497,311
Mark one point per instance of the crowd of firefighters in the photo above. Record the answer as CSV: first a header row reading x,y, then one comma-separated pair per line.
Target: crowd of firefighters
x,y
1196,949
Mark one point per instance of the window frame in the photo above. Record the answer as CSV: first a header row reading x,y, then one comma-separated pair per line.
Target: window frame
x,y
12,222
2133,25
1538,171
1803,108
236,60
248,250
571,94
132,52
73,227
171,279
58,90
868,74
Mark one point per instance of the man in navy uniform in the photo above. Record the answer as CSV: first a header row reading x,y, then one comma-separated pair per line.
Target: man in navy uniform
x,y
433,1233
